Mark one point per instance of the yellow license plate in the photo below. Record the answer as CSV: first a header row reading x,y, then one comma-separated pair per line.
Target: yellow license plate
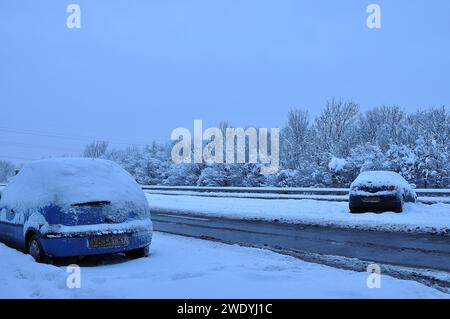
x,y
108,241
371,199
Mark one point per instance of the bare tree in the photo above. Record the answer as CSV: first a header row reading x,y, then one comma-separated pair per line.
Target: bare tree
x,y
295,138
7,170
384,125
434,124
96,149
335,125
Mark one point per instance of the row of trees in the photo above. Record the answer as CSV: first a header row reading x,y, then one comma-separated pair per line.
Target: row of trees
x,y
328,151
7,169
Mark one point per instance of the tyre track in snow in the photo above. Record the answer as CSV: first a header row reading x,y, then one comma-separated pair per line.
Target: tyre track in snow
x,y
415,251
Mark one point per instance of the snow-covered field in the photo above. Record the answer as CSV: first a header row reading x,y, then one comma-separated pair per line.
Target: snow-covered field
x,y
416,217
190,268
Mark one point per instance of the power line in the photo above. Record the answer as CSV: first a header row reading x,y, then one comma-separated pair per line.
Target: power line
x,y
66,136
18,158
44,147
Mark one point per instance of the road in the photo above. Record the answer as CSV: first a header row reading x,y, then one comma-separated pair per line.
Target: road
x,y
424,251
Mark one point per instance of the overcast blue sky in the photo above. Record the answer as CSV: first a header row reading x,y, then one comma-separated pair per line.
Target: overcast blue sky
x,y
139,68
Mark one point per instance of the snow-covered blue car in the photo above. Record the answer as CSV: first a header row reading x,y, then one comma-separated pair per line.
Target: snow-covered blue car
x,y
67,207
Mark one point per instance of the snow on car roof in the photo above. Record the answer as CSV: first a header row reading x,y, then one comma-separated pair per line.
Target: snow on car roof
x,y
381,178
67,181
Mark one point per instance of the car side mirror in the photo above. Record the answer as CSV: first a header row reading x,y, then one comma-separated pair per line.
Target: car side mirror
x,y
413,186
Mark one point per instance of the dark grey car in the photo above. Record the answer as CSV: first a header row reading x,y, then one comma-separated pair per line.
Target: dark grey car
x,y
380,191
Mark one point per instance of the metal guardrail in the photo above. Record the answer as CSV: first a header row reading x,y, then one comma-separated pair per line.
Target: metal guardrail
x,y
432,192
278,190
275,190
428,196
252,190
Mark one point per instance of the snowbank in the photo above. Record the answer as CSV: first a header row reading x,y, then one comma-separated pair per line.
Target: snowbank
x,y
415,218
207,270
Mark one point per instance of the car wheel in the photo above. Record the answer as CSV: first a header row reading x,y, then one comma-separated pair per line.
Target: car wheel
x,y
399,208
138,253
36,251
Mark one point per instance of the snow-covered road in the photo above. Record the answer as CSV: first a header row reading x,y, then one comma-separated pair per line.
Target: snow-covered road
x,y
415,218
190,268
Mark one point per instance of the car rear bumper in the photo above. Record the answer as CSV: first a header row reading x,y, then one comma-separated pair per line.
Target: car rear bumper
x,y
368,203
63,245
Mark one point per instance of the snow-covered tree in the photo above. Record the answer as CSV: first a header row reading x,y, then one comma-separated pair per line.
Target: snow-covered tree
x,y
334,129
383,126
432,167
295,138
403,160
330,152
183,174
96,149
7,170
214,175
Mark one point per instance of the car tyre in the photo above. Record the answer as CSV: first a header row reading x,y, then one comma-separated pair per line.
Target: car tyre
x,y
36,250
138,253
355,211
399,207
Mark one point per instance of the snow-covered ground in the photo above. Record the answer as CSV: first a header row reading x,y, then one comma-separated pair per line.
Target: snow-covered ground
x,y
190,268
416,217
